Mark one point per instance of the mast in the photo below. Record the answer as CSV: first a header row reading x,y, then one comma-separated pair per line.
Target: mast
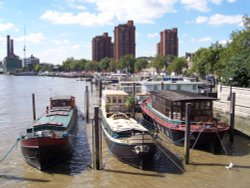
x,y
24,47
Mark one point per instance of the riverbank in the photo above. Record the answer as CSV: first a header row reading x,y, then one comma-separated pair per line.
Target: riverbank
x,y
241,124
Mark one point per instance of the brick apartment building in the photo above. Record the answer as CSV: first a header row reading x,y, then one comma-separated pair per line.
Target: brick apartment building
x,y
168,44
102,47
124,40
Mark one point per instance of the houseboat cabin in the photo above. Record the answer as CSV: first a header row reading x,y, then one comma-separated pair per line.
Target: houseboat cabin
x,y
173,105
115,101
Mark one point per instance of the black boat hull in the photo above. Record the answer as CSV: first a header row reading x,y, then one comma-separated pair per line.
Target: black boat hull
x,y
127,152
210,140
44,156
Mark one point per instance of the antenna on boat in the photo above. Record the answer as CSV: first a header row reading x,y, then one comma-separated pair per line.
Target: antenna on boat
x,y
24,47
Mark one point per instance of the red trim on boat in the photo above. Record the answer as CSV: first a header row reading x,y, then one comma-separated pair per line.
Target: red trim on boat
x,y
43,141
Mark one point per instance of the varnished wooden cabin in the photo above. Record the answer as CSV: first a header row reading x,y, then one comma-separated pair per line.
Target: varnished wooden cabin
x,y
173,105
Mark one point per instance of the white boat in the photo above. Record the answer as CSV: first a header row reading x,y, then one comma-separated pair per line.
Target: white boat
x,y
128,140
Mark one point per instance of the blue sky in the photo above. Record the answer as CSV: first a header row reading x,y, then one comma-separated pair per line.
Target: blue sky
x,y
58,29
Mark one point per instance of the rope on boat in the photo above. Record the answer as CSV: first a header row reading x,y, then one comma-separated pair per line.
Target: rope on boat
x,y
195,142
178,166
108,155
223,146
9,151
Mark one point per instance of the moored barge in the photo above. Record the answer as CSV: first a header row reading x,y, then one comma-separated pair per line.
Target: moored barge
x,y
128,140
48,141
165,109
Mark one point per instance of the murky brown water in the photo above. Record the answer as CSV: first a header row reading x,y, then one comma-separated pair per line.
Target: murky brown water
x,y
205,170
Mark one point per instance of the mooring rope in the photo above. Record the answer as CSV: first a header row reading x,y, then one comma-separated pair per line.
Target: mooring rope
x,y
195,142
224,148
105,161
9,151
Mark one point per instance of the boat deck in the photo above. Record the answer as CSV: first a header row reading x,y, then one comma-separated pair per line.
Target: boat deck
x,y
58,118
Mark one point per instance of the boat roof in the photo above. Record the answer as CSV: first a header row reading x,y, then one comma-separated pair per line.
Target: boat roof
x,y
124,124
180,95
114,92
61,97
60,118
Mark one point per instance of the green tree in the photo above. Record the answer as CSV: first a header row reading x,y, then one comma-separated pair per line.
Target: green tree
x,y
159,62
237,57
92,66
208,60
140,64
178,65
105,64
127,63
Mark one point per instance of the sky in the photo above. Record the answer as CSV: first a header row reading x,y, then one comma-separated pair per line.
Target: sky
x,y
54,30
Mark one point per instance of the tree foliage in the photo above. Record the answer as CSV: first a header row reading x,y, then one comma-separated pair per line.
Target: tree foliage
x,y
178,65
140,64
126,63
229,61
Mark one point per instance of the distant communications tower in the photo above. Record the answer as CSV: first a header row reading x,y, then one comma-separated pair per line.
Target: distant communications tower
x,y
24,47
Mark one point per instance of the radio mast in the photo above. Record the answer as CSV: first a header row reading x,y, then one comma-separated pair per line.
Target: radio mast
x,y
24,47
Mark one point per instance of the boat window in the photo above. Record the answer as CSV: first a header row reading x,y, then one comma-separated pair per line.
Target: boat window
x,y
196,106
108,100
56,103
155,87
124,134
207,105
119,100
113,99
194,87
202,106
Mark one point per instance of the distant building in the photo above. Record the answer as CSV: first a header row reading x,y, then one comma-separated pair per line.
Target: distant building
x,y
189,58
124,40
12,62
168,44
30,61
1,67
102,47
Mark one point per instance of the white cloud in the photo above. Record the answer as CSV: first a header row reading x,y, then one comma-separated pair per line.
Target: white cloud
x,y
1,4
62,53
60,42
85,18
219,19
224,42
140,11
32,38
7,26
202,40
199,5
153,35
201,19
231,1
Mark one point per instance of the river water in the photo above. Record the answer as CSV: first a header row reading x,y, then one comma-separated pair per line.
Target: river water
x,y
167,169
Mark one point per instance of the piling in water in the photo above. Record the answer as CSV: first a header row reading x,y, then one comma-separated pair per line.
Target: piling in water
x,y
34,106
232,116
187,133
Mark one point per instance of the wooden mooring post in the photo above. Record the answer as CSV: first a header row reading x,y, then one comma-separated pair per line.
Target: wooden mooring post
x,y
232,116
187,133
87,104
97,142
133,94
162,85
100,91
34,106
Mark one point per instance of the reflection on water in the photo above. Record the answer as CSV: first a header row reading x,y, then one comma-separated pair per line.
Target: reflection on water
x,y
167,169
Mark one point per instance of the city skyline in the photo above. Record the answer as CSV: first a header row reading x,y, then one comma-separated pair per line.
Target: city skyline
x,y
58,29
